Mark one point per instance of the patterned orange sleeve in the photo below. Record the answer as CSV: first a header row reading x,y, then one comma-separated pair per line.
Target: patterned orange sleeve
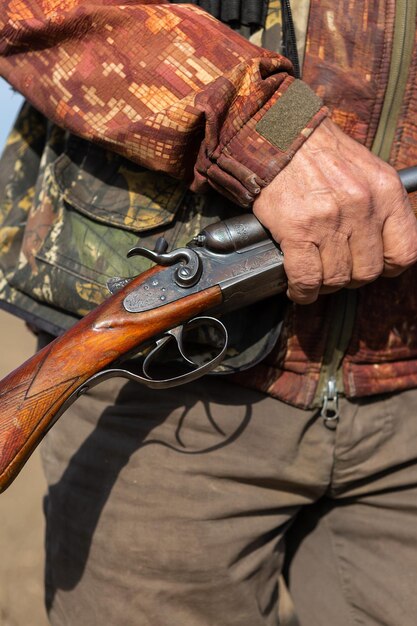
x,y
165,85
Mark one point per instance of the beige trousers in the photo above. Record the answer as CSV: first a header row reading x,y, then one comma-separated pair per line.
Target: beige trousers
x,y
182,507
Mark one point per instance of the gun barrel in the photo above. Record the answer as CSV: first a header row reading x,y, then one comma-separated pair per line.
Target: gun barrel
x,y
408,178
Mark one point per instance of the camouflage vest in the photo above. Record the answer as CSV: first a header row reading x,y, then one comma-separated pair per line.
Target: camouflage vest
x,y
70,211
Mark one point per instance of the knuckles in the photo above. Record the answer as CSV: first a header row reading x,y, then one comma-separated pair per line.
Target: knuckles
x,y
306,285
358,195
303,282
302,275
368,275
337,282
400,262
389,182
390,192
326,212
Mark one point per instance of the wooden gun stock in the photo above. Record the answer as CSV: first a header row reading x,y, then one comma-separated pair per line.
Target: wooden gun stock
x,y
32,395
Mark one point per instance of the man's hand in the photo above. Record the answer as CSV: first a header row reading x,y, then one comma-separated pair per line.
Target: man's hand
x,y
340,215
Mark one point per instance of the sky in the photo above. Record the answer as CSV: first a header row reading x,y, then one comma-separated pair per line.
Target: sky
x,y
9,105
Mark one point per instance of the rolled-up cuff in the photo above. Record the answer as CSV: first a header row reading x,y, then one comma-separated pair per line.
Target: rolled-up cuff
x,y
267,142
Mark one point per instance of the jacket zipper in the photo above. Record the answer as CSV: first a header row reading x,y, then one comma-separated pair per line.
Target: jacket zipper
x,y
402,50
330,385
330,408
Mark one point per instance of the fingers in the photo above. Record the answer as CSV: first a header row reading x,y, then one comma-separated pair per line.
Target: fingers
x,y
383,241
313,269
367,252
399,237
302,264
337,263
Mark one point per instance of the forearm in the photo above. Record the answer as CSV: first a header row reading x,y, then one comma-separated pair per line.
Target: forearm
x,y
165,85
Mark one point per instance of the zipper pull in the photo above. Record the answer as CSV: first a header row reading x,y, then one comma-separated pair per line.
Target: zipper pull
x,y
330,408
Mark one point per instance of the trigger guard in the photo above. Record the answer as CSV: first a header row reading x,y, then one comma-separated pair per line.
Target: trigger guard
x,y
177,335
193,323
165,383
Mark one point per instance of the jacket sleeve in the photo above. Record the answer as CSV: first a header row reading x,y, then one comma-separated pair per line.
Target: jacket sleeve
x,y
167,86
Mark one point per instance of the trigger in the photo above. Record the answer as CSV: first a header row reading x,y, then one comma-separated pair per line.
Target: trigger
x,y
175,334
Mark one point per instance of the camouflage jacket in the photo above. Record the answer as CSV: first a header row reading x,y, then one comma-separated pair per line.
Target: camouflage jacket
x,y
132,109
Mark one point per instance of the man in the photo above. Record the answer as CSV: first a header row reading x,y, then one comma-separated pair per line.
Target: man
x,y
174,508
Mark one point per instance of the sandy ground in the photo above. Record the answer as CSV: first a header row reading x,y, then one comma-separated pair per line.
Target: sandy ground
x,y
21,520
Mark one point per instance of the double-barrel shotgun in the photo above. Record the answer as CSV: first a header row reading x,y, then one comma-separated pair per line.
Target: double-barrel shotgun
x,y
229,265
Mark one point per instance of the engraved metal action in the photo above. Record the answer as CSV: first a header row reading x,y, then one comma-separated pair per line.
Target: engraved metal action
x,y
235,254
